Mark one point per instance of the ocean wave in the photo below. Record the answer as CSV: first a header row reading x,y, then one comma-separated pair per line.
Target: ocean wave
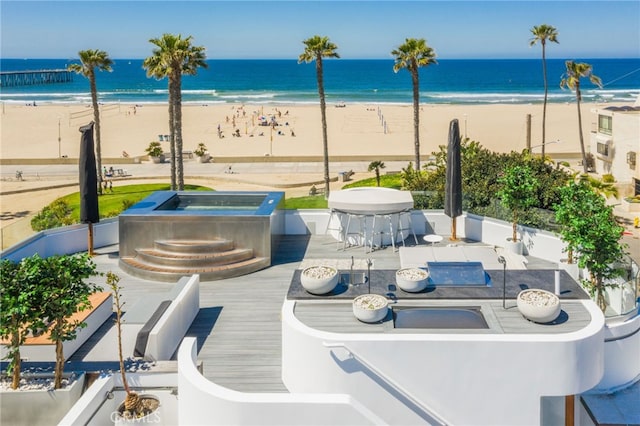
x,y
248,96
200,92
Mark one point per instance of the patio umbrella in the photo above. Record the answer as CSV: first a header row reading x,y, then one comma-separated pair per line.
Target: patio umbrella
x,y
453,183
88,182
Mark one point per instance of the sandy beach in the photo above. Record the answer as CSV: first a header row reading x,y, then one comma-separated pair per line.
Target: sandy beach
x,y
31,132
358,129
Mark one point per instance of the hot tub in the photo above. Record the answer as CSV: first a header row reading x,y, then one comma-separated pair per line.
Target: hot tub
x,y
244,220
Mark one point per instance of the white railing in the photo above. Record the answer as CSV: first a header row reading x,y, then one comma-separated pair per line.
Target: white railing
x,y
541,244
426,412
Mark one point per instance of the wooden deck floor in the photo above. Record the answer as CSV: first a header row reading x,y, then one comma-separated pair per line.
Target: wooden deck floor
x,y
238,328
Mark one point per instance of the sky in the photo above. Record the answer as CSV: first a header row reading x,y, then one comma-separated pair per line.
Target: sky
x,y
269,29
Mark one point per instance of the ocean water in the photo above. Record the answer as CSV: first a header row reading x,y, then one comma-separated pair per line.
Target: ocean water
x,y
349,81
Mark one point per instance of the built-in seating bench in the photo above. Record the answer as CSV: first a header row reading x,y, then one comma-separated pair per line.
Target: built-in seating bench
x,y
162,320
42,348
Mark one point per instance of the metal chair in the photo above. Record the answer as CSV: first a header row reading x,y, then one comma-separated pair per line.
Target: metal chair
x,y
360,232
409,227
337,215
392,234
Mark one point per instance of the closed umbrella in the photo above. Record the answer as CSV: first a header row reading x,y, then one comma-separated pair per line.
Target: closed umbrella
x,y
88,177
453,183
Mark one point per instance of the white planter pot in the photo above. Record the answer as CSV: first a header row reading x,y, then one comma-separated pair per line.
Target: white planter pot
x,y
516,247
319,279
204,158
39,407
154,417
538,305
412,280
157,160
370,308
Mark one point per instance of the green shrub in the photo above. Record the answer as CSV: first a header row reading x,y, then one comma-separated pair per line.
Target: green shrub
x,y
54,215
608,178
126,203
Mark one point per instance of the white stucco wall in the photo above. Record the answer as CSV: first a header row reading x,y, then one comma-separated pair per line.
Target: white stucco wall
x,y
622,354
166,335
204,402
65,240
499,378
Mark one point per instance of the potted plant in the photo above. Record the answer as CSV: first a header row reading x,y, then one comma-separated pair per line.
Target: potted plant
x,y
154,150
518,192
19,315
319,279
136,408
575,199
369,307
202,153
412,280
538,305
38,295
65,293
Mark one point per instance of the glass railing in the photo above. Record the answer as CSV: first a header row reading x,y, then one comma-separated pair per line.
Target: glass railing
x,y
16,232
623,298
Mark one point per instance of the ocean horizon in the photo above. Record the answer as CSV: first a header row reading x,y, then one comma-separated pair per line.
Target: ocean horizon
x,y
352,81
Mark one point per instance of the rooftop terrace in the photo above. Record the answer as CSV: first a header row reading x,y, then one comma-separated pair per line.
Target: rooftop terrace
x,y
238,327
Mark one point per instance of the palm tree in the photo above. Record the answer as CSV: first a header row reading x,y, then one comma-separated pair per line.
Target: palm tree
x,y
316,48
174,57
89,61
541,34
412,55
571,80
376,166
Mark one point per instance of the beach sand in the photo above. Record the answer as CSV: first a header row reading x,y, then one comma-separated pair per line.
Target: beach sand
x,y
31,132
358,129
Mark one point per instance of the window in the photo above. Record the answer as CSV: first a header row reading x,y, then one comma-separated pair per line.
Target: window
x,y
603,149
605,124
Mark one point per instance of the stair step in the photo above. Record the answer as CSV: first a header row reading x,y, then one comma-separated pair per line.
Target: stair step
x,y
164,258
194,246
135,267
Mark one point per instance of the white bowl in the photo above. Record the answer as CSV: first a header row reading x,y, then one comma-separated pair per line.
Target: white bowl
x,y
319,279
370,307
538,305
412,280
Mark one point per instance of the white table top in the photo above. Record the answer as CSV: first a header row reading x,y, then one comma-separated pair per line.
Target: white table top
x,y
432,238
370,200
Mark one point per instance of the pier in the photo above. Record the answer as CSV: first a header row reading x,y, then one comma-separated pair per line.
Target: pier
x,y
30,78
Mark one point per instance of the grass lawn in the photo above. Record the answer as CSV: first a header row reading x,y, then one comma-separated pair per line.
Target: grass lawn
x,y
386,181
112,203
307,202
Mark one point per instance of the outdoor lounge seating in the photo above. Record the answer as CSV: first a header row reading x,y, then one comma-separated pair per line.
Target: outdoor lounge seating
x,y
152,327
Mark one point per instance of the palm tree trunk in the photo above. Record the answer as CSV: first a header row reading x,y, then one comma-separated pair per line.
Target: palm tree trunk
x,y
582,150
323,112
416,115
178,123
544,106
172,133
96,119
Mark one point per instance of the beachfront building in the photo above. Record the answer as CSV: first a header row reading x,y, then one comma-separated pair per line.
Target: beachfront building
x,y
615,142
